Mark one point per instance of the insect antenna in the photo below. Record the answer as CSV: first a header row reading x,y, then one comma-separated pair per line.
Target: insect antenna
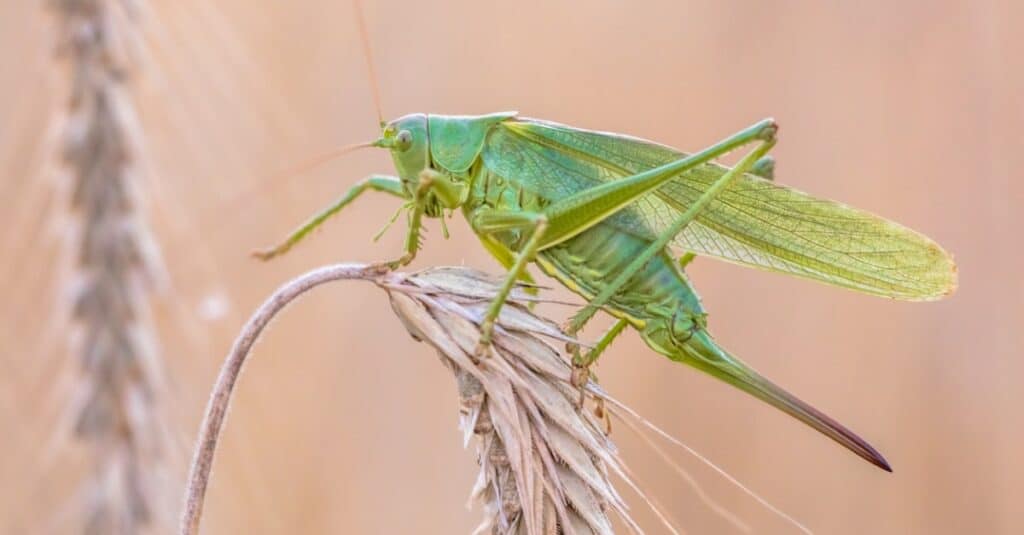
x,y
269,182
279,178
371,71
318,160
329,155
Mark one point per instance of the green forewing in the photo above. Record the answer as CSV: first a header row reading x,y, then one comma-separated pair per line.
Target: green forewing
x,y
754,222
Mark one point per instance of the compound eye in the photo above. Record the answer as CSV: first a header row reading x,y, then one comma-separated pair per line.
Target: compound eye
x,y
403,140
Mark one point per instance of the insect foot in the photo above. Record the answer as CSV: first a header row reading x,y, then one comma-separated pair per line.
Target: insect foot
x,y
602,414
392,265
578,378
267,254
482,351
483,347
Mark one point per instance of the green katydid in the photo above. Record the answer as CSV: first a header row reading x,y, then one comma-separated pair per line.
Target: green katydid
x,y
616,218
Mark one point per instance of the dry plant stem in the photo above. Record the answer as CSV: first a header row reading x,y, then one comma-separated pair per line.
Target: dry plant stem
x,y
220,399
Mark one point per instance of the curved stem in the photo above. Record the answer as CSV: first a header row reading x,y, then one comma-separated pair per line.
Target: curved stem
x,y
216,409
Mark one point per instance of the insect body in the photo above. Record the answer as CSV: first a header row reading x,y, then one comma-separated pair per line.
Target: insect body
x,y
608,215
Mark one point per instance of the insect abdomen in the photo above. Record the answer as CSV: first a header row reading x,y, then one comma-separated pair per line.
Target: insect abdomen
x,y
657,298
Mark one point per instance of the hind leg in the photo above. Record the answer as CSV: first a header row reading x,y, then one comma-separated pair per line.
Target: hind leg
x,y
581,375
670,233
489,221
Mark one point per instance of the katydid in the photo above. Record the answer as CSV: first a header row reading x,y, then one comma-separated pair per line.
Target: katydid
x,y
605,215
616,219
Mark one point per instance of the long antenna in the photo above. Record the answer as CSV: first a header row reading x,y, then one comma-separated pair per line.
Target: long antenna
x,y
280,177
364,36
318,160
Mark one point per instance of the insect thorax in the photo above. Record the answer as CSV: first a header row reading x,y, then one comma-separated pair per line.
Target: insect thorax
x,y
495,191
489,190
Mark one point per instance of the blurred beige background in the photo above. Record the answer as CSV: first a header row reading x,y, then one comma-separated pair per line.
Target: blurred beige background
x,y
343,424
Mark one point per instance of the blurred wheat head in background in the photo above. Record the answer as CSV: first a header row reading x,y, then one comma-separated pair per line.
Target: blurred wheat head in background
x,y
112,264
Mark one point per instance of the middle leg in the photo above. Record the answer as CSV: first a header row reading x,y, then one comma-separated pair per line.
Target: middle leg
x,y
488,221
381,183
445,190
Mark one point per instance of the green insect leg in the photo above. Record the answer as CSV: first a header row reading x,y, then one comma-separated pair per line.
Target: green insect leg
x,y
580,375
381,183
489,221
764,168
659,244
446,191
578,212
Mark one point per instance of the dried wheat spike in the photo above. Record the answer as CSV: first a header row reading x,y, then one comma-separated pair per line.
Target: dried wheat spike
x,y
544,464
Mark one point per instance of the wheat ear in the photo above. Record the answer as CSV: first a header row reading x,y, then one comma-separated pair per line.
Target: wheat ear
x,y
545,465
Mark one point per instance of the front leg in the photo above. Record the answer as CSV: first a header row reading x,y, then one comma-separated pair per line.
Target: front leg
x,y
489,221
448,192
381,183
